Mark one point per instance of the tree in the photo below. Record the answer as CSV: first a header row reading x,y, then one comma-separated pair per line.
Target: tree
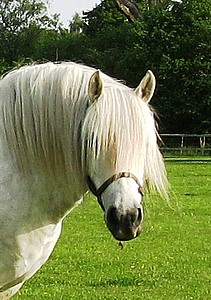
x,y
180,54
108,35
101,17
76,24
20,24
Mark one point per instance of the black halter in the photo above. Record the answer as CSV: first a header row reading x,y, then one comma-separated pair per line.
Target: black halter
x,y
98,192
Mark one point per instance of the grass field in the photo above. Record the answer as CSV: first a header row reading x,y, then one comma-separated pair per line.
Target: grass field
x,y
171,260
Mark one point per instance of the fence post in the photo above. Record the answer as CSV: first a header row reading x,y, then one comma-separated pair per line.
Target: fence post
x,y
182,144
202,141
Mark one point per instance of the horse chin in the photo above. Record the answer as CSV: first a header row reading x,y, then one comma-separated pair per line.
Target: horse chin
x,y
123,237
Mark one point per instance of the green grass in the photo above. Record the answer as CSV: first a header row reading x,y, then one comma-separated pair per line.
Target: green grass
x,y
171,260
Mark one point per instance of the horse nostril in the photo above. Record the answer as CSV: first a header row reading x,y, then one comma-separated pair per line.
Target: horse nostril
x,y
140,215
131,218
134,216
112,216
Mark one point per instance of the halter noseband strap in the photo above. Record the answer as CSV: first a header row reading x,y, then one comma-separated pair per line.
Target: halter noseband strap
x,y
98,192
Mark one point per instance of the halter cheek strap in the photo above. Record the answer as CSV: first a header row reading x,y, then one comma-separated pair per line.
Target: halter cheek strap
x,y
98,192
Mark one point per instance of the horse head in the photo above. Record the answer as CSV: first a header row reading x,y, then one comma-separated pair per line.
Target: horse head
x,y
118,183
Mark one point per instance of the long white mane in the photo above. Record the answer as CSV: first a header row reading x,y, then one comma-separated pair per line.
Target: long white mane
x,y
51,126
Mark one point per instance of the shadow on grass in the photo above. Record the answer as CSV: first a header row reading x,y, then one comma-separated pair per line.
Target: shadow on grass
x,y
123,282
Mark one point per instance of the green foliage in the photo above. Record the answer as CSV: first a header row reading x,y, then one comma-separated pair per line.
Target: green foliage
x,y
172,39
102,17
182,48
170,260
4,67
77,24
20,24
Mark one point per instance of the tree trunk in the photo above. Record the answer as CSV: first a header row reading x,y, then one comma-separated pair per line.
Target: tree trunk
x,y
130,9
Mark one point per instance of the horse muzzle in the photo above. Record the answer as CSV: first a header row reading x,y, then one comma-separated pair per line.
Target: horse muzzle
x,y
124,226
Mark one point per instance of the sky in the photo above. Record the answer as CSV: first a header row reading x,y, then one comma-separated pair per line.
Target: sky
x,y
67,8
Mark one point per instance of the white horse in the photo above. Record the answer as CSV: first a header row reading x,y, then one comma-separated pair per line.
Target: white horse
x,y
65,128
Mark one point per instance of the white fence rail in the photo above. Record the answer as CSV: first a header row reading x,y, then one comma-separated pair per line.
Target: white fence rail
x,y
186,144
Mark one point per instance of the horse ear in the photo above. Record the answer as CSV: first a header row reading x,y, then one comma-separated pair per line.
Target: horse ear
x,y
95,86
146,88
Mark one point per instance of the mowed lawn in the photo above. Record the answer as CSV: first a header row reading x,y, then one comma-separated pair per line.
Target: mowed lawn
x,y
171,260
